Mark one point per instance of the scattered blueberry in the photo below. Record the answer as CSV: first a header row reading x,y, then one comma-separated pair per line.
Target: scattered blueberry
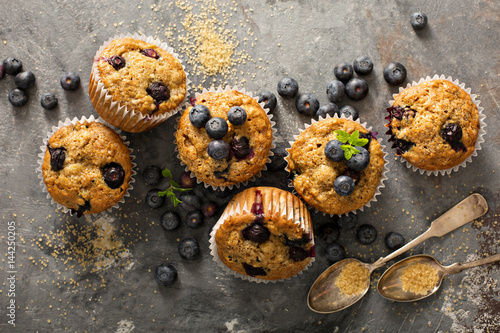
x,y
150,53
256,232
57,157
237,115
170,220
278,159
165,275
194,219
254,271
288,87
218,149
199,115
18,97
347,222
209,209
347,111
153,199
189,248
363,65
329,232
356,89
269,99
216,127
158,91
186,181
334,252
12,66
333,151
297,253
70,81
335,90
395,73
328,109
359,161
394,240
343,185
418,20
366,234
240,148
307,104
190,201
343,71
24,80
113,175
48,101
117,62
152,175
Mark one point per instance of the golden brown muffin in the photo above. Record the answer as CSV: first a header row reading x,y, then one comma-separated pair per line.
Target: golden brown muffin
x,y
265,233
434,125
192,142
315,174
86,167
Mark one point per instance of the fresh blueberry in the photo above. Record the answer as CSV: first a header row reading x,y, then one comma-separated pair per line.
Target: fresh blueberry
x,y
189,248
356,89
348,221
366,234
153,199
269,99
194,219
150,53
209,209
24,80
240,148
328,109
256,232
363,65
394,240
199,115
359,161
334,252
297,253
165,275
418,20
170,220
18,97
278,159
333,151
2,71
48,101
343,71
254,271
12,66
158,91
335,90
113,175
329,232
117,62
343,185
288,87
347,111
186,181
57,157
216,127
307,104
70,81
152,175
218,149
395,73
237,115
190,201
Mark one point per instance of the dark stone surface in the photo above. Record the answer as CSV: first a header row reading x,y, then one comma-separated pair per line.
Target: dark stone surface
x,y
114,291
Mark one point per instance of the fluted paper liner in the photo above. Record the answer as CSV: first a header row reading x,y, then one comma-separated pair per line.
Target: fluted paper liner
x,y
121,116
383,177
481,132
43,149
277,204
273,144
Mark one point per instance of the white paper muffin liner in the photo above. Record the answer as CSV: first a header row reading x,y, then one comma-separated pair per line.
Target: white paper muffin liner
x,y
383,177
481,132
43,149
121,116
273,144
299,214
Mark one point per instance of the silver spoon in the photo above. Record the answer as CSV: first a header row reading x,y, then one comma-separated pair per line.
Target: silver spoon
x,y
391,285
324,295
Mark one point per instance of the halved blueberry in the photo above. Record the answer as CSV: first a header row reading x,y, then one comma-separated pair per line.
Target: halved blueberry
x,y
117,62
113,175
199,115
256,232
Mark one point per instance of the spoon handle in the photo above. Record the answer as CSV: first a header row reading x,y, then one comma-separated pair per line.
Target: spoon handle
x,y
458,267
465,211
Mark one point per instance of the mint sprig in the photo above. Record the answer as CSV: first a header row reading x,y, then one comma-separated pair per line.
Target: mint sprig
x,y
174,186
351,141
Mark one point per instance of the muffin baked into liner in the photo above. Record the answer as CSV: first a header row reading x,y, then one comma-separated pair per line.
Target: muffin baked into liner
x,y
115,112
272,143
480,132
337,205
289,223
41,157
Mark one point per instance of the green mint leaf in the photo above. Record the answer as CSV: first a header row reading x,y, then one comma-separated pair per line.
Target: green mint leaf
x,y
341,135
180,189
353,137
360,142
162,193
349,151
166,173
174,183
175,201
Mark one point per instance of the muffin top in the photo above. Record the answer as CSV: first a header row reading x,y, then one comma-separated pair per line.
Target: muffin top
x,y
315,174
434,125
86,167
142,76
249,143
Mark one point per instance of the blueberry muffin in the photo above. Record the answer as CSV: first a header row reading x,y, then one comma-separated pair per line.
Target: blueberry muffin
x,y
265,233
326,176
225,138
87,167
135,85
433,125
